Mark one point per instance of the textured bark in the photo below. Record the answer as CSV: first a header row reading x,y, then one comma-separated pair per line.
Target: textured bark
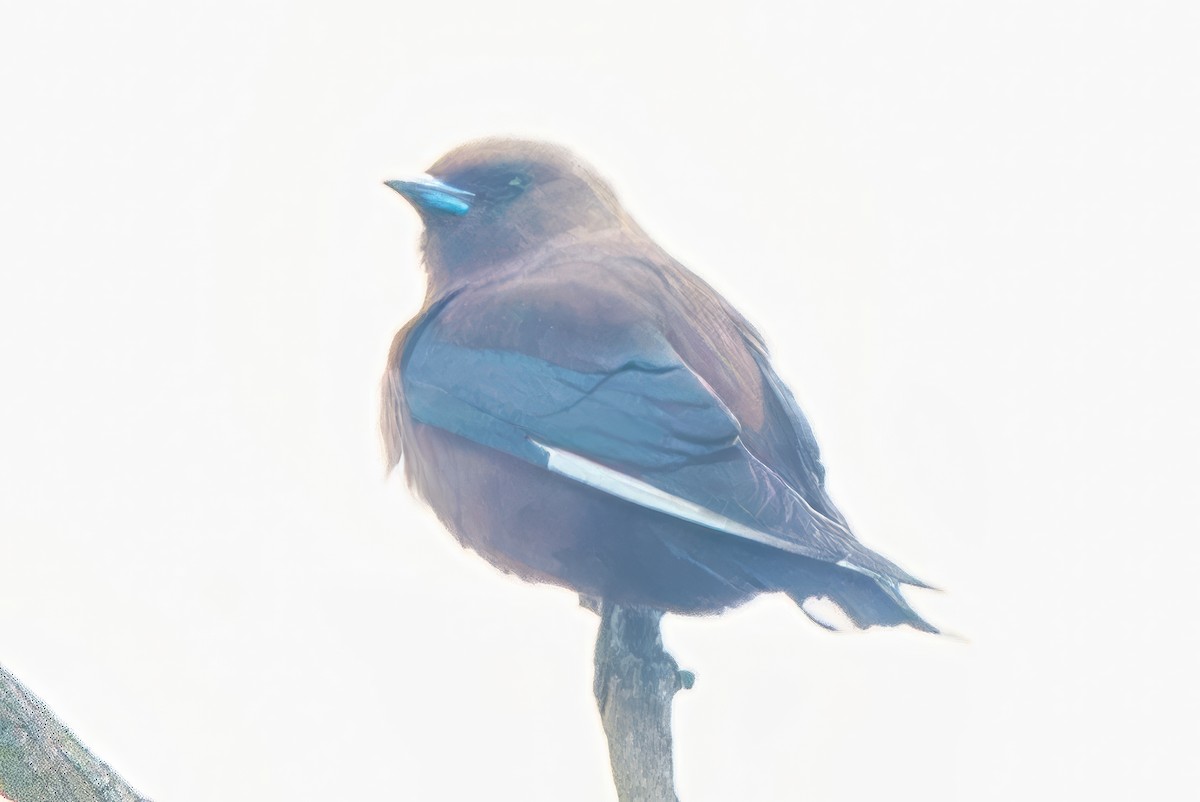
x,y
635,683
41,761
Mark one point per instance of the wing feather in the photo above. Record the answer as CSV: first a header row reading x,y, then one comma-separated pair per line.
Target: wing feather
x,y
641,426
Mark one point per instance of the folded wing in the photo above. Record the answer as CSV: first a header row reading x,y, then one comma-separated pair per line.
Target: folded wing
x,y
639,425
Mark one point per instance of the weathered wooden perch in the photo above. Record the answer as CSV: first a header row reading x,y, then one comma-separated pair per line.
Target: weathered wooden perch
x,y
41,761
635,682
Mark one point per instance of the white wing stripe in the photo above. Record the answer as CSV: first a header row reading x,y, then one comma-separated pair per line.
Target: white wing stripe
x,y
644,494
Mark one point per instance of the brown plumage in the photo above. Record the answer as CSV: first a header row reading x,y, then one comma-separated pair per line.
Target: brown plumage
x,y
581,409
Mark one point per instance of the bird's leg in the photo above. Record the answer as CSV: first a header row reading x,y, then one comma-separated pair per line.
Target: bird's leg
x,y
635,682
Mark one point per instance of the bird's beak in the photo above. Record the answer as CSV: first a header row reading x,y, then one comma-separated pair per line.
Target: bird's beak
x,y
427,193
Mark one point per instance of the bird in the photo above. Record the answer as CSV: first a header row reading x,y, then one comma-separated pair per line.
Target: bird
x,y
580,409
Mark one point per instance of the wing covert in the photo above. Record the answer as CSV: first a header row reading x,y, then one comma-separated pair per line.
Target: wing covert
x,y
641,414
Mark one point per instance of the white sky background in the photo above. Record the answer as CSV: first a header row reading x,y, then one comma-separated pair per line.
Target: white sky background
x,y
968,231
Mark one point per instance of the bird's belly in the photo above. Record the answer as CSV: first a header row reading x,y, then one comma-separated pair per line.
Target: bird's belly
x,y
549,528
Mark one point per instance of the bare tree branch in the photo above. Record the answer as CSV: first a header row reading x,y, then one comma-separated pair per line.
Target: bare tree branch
x,y
41,761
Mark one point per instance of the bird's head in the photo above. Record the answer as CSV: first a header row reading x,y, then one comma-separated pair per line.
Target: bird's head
x,y
487,202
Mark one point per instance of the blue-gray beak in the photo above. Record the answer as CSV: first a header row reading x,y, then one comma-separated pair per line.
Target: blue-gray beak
x,y
426,192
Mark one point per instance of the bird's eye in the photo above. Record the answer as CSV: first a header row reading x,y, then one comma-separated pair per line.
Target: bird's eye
x,y
508,186
495,185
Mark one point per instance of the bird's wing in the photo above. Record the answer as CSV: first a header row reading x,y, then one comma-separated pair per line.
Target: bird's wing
x,y
391,389
799,449
637,423
706,324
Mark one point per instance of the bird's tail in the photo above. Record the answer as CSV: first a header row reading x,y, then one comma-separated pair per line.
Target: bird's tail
x,y
857,602
835,596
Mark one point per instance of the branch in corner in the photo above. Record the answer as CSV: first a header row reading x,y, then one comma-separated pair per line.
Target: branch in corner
x,y
42,761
